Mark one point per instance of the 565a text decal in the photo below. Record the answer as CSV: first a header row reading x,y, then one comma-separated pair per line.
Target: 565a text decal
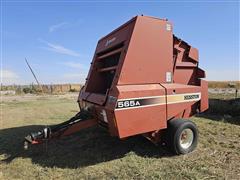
x,y
139,102
128,103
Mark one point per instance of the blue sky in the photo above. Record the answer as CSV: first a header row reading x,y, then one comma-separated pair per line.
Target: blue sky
x,y
59,38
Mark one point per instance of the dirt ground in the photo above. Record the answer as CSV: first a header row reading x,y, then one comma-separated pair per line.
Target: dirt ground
x,y
93,154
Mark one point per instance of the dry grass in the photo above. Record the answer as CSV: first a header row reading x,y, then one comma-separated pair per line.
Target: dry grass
x,y
223,84
93,154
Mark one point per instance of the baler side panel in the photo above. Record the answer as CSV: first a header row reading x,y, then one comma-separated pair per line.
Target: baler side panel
x,y
185,75
141,119
178,106
149,55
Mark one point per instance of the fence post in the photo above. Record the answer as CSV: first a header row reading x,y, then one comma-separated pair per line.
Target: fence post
x,y
51,89
32,87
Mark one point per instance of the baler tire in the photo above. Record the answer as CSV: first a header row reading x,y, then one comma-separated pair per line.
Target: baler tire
x,y
176,128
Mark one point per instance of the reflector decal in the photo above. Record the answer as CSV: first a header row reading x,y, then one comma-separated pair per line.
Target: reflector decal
x,y
131,103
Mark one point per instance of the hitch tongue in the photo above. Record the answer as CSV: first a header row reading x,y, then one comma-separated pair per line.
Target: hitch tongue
x,y
81,120
37,137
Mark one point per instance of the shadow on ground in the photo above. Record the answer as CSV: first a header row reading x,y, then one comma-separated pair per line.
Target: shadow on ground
x,y
94,145
88,147
226,110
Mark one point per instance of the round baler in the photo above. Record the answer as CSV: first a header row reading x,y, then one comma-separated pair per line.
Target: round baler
x,y
142,80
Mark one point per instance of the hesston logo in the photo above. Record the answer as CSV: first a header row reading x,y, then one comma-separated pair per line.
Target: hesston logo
x,y
194,96
109,41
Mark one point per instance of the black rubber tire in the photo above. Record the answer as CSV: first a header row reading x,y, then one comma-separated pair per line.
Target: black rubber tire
x,y
175,128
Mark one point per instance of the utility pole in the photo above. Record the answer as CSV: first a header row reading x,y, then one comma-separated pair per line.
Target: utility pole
x,y
34,75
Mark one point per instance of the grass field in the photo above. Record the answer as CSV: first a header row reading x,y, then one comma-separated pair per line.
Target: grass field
x,y
223,84
93,154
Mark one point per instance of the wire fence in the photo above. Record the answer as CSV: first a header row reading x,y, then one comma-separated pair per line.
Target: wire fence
x,y
215,87
33,88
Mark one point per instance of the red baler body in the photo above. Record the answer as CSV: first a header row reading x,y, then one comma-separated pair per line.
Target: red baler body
x,y
142,76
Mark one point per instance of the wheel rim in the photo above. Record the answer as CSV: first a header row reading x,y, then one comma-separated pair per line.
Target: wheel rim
x,y
186,138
